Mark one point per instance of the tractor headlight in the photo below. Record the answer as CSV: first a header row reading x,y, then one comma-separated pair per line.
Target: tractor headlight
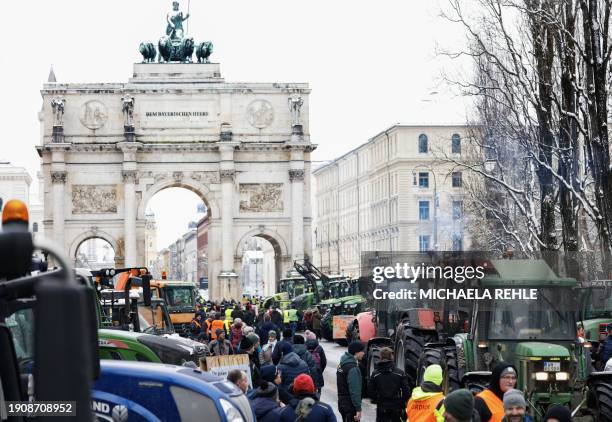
x,y
562,376
231,413
541,376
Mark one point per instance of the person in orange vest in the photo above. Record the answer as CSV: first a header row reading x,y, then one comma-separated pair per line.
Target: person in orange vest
x,y
489,403
426,398
208,325
217,324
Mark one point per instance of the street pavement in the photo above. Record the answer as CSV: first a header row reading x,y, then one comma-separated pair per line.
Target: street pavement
x,y
329,394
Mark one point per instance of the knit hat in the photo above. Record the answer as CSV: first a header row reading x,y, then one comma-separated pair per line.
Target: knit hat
x,y
558,412
272,334
506,371
219,331
285,348
433,374
298,339
355,347
268,373
253,337
266,389
514,398
237,321
303,384
460,404
245,344
310,335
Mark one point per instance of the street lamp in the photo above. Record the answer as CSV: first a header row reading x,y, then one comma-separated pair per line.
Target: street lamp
x,y
435,200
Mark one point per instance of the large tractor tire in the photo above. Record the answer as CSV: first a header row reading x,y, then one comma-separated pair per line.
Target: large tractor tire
x,y
409,345
326,328
452,368
430,356
602,393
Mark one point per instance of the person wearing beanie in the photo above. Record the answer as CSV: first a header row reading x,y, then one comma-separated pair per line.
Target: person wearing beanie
x,y
423,404
287,339
220,346
388,388
299,347
265,404
306,406
290,365
515,407
558,413
318,354
348,379
489,402
458,406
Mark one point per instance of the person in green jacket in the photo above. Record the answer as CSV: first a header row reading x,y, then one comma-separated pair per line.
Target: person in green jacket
x,y
348,378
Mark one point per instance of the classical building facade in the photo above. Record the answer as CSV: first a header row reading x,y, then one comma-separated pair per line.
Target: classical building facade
x,y
244,148
392,193
150,240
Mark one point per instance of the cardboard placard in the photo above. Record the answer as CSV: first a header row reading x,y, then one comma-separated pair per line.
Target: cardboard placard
x,y
340,323
222,365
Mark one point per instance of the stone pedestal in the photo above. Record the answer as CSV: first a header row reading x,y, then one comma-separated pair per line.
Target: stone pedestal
x,y
58,134
176,72
228,285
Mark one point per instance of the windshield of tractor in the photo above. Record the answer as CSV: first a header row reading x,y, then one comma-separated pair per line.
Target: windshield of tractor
x,y
180,297
153,318
598,303
549,317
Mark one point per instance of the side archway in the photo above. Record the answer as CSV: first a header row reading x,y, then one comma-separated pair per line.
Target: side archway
x,y
95,234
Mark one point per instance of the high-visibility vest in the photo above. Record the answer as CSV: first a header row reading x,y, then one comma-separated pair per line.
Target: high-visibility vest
x,y
228,314
285,317
293,317
495,405
216,324
227,324
423,410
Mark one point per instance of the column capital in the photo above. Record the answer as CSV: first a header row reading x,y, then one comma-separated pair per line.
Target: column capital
x,y
227,175
58,177
296,175
129,176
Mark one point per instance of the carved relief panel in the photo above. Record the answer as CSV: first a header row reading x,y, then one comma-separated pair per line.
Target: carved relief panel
x,y
261,197
94,199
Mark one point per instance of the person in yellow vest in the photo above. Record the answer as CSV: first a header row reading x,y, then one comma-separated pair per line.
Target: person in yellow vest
x,y
227,323
293,320
489,403
286,319
425,399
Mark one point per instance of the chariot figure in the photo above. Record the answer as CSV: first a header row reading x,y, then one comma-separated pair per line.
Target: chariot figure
x,y
175,20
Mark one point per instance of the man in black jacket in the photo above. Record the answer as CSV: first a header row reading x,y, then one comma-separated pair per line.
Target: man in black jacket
x,y
388,388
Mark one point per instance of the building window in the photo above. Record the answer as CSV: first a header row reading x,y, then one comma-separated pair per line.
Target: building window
x,y
457,210
423,210
35,227
423,143
423,243
457,243
456,143
424,180
457,182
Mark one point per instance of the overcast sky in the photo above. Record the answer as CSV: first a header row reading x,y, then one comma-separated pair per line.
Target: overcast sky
x,y
369,65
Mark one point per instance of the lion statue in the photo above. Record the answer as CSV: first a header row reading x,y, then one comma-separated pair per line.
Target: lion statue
x,y
175,50
147,49
203,51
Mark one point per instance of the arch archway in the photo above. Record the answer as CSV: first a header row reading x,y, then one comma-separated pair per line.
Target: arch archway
x,y
282,259
79,241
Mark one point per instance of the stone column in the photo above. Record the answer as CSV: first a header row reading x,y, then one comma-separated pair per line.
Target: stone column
x,y
129,217
227,277
129,175
58,179
296,176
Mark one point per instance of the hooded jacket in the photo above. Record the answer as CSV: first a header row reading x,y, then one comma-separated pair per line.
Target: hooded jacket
x,y
266,409
290,367
480,405
265,329
314,346
388,386
305,355
320,412
348,378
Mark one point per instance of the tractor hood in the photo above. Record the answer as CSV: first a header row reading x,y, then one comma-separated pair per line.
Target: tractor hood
x,y
538,349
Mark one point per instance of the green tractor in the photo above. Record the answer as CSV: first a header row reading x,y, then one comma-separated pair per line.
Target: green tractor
x,y
596,312
291,286
536,332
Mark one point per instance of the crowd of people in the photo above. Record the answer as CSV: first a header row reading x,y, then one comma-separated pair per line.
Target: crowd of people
x,y
287,375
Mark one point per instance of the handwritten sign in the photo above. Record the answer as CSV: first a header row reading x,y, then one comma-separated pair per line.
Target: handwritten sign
x,y
340,323
222,365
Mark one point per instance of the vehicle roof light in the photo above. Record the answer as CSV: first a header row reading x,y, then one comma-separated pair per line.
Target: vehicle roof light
x,y
15,210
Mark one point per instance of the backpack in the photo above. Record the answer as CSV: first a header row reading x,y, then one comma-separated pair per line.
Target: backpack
x,y
303,409
317,357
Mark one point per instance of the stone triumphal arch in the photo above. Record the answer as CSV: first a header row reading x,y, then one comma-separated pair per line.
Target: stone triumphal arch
x,y
244,148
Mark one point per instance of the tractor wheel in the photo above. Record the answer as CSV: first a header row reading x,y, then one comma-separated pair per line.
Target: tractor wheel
x,y
430,356
603,398
408,347
452,368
